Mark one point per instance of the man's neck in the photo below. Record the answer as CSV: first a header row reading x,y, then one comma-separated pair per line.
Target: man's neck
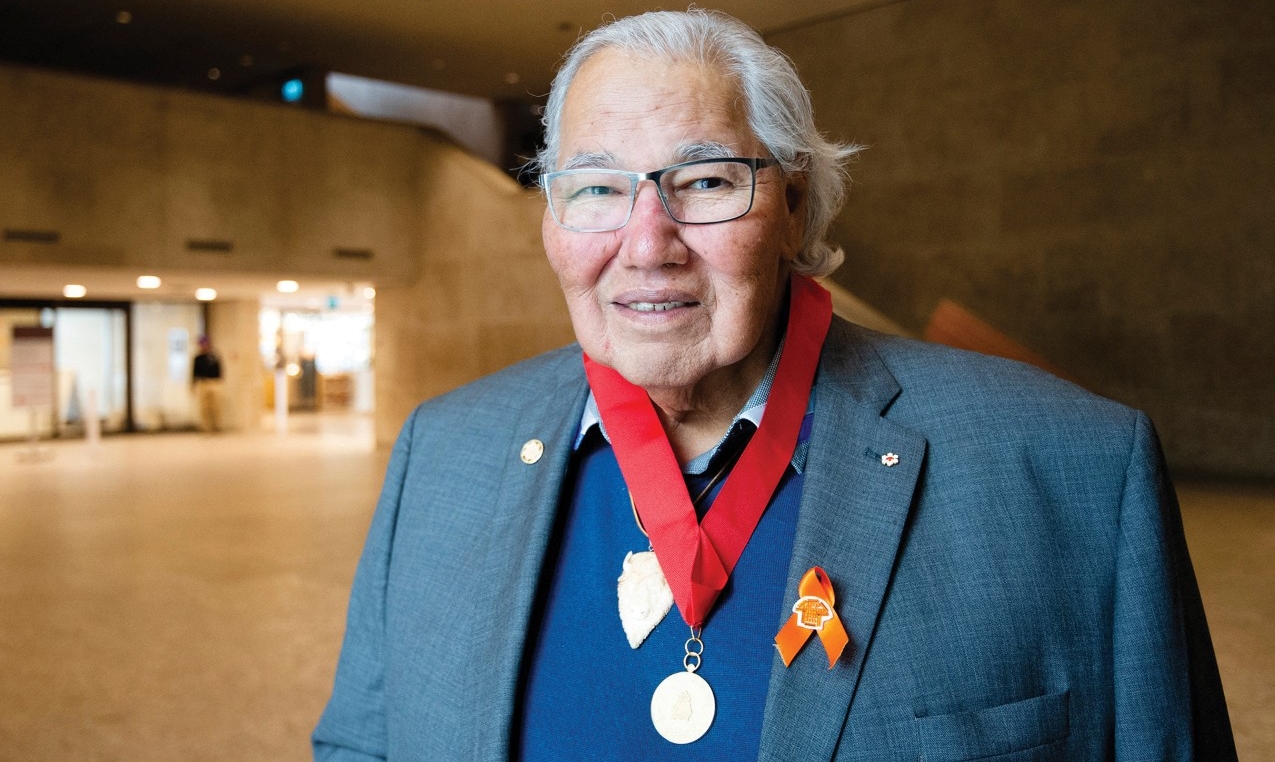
x,y
696,418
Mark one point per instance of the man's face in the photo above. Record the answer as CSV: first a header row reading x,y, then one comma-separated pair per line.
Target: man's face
x,y
667,304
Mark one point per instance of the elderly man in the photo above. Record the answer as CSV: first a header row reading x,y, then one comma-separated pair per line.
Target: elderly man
x,y
829,544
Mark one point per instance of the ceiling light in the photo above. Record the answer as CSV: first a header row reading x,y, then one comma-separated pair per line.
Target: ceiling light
x,y
512,78
369,293
123,17
148,281
214,73
287,286
205,294
72,291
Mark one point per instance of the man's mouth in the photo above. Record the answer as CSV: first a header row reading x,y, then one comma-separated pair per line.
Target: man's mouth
x,y
656,306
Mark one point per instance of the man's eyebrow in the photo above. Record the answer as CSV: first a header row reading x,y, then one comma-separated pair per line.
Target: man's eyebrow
x,y
686,152
597,160
708,150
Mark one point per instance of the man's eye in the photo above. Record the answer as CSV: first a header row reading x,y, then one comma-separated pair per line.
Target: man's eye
x,y
594,192
708,183
597,190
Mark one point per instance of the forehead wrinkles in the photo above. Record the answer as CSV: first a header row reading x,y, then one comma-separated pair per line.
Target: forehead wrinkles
x,y
617,99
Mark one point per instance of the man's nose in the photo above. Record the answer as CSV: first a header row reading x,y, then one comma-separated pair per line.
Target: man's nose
x,y
647,201
650,237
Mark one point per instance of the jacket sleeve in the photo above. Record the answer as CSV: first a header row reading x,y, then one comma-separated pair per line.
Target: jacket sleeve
x,y
1168,695
353,726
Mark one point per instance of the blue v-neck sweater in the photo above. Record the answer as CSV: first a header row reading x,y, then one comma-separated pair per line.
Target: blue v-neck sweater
x,y
586,694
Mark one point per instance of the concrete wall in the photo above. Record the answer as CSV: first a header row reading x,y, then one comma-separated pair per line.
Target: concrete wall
x,y
485,297
235,324
1094,179
128,174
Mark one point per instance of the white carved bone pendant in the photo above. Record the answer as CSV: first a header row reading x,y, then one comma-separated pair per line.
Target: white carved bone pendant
x,y
644,595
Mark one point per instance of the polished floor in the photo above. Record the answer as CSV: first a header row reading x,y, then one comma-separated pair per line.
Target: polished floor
x,y
181,596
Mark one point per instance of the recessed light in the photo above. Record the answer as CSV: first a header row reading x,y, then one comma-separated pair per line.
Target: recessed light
x,y
287,286
214,73
205,294
148,281
369,293
74,291
512,78
123,17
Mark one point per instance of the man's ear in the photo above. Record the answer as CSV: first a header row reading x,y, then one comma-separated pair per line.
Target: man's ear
x,y
795,194
795,224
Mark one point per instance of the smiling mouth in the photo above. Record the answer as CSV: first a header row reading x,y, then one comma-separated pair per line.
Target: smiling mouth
x,y
656,306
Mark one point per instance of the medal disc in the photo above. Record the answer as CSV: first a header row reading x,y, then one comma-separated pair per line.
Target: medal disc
x,y
683,707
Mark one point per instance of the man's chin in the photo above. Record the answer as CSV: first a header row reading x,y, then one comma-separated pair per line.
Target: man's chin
x,y
656,370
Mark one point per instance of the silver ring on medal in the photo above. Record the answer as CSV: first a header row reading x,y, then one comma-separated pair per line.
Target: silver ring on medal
x,y
682,707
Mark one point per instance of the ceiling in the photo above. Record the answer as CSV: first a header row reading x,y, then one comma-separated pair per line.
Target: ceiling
x,y
498,49
504,49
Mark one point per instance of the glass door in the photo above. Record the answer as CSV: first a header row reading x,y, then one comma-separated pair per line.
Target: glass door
x,y
90,352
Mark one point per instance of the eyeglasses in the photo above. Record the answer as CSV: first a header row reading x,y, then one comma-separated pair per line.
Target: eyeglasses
x,y
699,192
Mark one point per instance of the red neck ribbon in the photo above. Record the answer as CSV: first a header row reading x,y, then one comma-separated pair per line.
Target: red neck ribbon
x,y
697,558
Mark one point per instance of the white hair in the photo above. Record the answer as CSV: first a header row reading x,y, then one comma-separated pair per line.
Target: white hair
x,y
777,105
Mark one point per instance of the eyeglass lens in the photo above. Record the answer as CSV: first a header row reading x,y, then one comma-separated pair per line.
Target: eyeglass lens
x,y
697,193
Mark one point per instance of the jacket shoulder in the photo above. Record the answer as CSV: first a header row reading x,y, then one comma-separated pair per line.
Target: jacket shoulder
x,y
951,388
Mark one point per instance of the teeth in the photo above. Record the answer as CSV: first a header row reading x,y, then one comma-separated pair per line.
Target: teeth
x,y
655,306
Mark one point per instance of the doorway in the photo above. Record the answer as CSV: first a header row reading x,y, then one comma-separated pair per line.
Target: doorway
x,y
89,379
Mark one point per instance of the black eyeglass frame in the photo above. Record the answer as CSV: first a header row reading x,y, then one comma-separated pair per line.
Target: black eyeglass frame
x,y
654,176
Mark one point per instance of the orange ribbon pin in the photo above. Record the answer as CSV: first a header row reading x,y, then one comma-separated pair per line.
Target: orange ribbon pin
x,y
813,612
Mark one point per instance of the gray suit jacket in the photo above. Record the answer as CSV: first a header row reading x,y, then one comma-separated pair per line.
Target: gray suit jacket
x,y
1017,587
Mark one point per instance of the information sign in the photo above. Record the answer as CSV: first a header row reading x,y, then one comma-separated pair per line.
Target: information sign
x,y
31,366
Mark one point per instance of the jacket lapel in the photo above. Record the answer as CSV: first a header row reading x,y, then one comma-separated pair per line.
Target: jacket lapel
x,y
853,511
527,499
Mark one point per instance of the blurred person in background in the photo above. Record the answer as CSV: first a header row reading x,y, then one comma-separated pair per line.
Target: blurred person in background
x,y
205,378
